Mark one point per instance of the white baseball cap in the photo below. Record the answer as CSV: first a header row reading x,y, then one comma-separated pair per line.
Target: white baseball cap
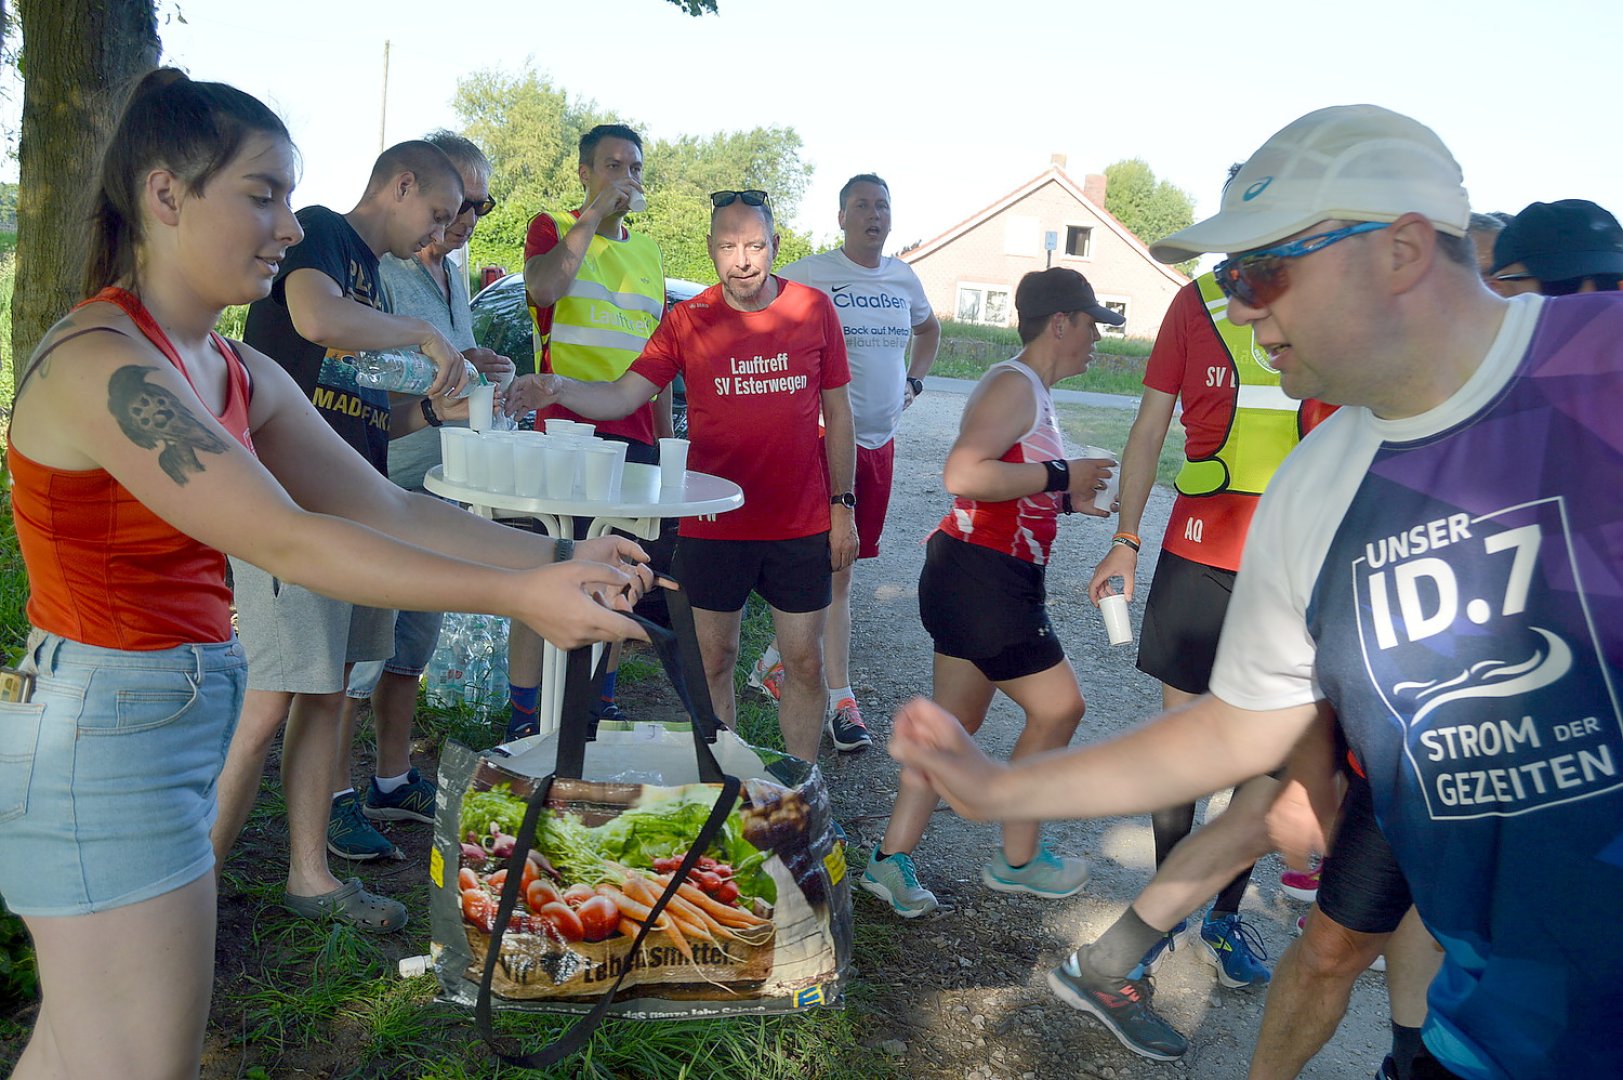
x,y
1349,163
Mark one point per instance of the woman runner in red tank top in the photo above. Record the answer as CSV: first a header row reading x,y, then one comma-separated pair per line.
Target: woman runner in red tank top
x,y
132,444
981,594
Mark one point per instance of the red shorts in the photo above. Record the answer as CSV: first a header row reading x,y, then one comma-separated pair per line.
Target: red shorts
x,y
874,468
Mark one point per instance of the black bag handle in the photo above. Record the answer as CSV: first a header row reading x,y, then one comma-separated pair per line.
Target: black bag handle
x,y
678,650
576,1037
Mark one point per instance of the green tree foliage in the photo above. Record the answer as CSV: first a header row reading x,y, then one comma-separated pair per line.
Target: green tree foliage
x,y
1150,208
531,128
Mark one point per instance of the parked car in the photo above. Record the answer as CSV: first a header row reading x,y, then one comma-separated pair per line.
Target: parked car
x,y
501,323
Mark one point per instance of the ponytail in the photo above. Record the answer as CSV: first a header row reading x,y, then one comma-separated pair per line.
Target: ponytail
x,y
168,121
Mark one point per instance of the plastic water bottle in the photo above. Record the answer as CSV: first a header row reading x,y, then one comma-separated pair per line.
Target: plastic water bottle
x,y
452,641
480,648
402,371
437,675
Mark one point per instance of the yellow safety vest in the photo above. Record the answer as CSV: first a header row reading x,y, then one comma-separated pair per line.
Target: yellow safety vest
x,y
602,323
1264,427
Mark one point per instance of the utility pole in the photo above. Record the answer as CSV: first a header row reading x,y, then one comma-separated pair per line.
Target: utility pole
x,y
383,113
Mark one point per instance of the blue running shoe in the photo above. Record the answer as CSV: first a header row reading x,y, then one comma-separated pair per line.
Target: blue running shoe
x,y
1163,948
1235,950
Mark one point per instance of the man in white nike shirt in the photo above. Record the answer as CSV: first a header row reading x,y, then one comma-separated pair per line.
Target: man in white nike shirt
x,y
882,307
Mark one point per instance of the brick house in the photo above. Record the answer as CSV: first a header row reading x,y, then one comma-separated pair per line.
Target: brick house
x,y
970,271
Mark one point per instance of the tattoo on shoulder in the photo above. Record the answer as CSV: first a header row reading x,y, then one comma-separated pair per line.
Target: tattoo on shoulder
x,y
152,417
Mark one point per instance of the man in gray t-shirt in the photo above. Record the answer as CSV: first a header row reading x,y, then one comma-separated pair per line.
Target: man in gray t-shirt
x,y
430,287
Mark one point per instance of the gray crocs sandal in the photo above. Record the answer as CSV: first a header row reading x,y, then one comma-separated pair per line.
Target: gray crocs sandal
x,y
351,904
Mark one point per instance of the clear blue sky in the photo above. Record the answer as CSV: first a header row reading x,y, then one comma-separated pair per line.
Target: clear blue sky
x,y
956,103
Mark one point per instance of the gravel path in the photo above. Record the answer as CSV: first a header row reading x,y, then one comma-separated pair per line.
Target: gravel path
x,y
963,991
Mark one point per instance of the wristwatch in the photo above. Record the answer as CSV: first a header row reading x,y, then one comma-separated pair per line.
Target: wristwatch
x,y
917,385
847,500
429,414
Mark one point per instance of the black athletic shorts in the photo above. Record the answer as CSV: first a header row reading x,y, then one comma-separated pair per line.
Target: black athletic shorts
x,y
793,576
988,608
1361,887
1183,619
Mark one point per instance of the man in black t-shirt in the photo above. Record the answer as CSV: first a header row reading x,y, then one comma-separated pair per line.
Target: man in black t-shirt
x,y
325,305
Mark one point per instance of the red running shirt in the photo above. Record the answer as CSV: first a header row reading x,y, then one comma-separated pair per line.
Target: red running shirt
x,y
102,568
1022,527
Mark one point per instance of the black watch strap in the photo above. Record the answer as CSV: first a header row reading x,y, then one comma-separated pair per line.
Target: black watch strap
x,y
916,384
1059,475
429,414
846,499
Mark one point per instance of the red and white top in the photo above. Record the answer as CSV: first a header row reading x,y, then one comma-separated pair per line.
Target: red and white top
x,y
1022,527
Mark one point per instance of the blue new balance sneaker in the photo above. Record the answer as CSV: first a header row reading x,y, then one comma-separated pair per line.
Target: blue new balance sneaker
x,y
1235,950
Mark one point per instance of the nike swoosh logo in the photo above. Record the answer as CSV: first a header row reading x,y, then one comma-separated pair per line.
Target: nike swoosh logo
x,y
837,288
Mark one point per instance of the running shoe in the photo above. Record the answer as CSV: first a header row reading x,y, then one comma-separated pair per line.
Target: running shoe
x,y
1302,886
846,728
1157,953
1123,1007
351,836
895,881
768,679
1045,875
1235,950
610,711
1388,1070
1377,964
411,801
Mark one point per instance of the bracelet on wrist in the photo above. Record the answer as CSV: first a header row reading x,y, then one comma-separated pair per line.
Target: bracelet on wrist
x,y
1126,540
1059,475
563,550
1065,504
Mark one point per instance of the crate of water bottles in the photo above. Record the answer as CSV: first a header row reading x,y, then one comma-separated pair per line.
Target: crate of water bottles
x,y
469,666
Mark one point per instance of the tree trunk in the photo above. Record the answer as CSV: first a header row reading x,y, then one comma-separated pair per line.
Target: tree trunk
x,y
78,55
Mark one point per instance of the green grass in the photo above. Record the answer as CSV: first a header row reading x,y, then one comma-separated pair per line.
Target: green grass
x,y
968,350
1088,425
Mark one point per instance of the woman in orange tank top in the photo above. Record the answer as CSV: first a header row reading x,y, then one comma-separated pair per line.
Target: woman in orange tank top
x,y
133,446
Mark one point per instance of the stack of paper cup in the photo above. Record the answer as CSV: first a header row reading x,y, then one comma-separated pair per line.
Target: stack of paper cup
x,y
454,454
673,467
1117,623
556,426
1103,500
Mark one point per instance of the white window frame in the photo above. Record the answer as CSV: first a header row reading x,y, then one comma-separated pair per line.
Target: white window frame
x,y
1065,240
984,287
1126,309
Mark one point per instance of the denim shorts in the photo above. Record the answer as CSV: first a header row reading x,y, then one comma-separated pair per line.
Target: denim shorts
x,y
416,635
108,775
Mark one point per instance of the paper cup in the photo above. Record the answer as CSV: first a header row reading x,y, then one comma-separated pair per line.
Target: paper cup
x,y
673,467
482,406
597,473
478,461
1118,625
529,468
561,464
454,454
617,485
1103,499
557,426
499,479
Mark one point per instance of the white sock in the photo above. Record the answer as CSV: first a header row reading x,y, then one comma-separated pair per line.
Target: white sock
x,y
837,694
390,784
340,794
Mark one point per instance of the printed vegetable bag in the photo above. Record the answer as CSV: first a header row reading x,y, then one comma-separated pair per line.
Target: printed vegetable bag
x,y
649,871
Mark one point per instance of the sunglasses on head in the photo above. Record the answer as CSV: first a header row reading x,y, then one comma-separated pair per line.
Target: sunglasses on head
x,y
752,197
1259,278
480,209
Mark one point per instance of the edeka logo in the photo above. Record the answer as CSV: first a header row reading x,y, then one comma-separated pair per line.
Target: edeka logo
x,y
1479,641
1256,189
844,299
